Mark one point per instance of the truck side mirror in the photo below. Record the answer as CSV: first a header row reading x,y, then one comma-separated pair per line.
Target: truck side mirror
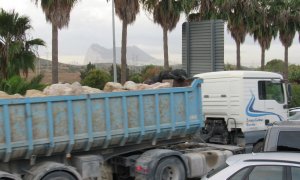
x,y
289,93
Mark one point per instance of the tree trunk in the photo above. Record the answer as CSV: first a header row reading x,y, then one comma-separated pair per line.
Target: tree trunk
x,y
262,65
54,54
123,53
6,61
238,55
286,62
166,54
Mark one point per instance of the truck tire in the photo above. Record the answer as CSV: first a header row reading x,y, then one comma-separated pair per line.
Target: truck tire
x,y
59,175
52,171
170,168
258,147
8,176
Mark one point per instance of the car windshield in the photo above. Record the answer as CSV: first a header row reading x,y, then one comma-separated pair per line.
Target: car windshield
x,y
215,171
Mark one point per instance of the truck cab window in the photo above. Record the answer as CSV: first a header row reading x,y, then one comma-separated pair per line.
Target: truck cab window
x,y
268,90
288,141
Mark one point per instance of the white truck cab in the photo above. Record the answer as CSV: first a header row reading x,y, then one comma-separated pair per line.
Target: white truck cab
x,y
238,106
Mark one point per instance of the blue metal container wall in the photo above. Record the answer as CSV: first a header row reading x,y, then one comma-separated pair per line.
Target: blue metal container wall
x,y
62,124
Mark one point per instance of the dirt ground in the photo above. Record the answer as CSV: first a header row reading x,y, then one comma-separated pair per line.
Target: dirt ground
x,y
64,77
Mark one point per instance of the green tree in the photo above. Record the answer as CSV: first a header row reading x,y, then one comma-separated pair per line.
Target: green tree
x,y
287,12
275,65
229,67
295,95
237,14
57,12
126,10
262,27
111,72
204,10
25,59
88,68
96,78
17,50
294,73
136,77
166,13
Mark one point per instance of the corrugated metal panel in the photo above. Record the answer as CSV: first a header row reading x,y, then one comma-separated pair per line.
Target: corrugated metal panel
x,y
203,46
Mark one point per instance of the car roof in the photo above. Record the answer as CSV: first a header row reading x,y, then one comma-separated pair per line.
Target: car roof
x,y
295,109
287,124
265,157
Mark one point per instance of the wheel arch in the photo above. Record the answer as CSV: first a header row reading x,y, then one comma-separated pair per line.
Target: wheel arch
x,y
150,159
41,170
8,176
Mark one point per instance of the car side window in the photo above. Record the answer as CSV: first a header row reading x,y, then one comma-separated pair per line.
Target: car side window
x,y
240,174
295,171
267,173
288,141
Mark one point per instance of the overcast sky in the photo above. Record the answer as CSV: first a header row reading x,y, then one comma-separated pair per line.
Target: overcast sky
x,y
91,22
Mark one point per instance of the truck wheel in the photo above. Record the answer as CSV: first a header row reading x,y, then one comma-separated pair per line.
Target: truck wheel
x,y
52,171
258,147
170,169
8,176
59,175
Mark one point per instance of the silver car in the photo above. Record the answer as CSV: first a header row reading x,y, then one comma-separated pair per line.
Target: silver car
x,y
294,113
260,166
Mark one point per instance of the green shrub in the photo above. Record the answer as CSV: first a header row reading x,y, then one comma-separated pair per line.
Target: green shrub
x,y
137,78
96,78
295,95
18,85
150,71
294,73
88,68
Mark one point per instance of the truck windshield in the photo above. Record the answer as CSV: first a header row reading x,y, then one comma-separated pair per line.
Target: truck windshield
x,y
268,90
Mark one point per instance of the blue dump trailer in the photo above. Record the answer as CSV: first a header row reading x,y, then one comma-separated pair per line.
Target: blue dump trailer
x,y
120,135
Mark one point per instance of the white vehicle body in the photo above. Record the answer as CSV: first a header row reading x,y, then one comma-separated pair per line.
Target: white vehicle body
x,y
260,166
247,101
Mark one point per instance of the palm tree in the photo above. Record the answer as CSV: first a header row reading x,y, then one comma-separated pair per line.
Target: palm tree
x,y
17,51
237,14
24,60
263,28
126,10
287,13
205,10
167,14
57,12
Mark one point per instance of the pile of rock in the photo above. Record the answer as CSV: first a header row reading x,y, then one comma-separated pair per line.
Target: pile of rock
x,y
69,89
77,89
4,95
132,86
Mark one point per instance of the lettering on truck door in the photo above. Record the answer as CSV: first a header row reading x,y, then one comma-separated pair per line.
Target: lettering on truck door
x,y
266,106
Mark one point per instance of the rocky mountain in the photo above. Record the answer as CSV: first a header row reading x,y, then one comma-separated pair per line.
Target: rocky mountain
x,y
135,56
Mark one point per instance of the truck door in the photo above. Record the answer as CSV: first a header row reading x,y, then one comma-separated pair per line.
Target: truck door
x,y
275,102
